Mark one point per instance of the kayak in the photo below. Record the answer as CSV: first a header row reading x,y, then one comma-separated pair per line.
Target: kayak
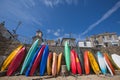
x,y
8,60
101,62
78,65
33,59
54,64
86,63
16,62
112,61
73,62
59,62
109,65
29,56
67,55
37,61
44,60
94,63
116,59
49,63
81,60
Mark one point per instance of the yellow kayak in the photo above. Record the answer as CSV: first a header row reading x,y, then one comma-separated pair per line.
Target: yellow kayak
x,y
59,62
8,60
93,63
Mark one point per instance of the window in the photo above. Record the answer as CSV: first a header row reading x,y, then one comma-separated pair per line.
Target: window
x,y
103,37
85,44
110,37
113,37
115,44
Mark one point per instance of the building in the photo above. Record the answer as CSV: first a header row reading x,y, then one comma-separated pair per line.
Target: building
x,y
104,40
119,40
71,41
38,35
51,42
58,42
6,33
85,44
119,37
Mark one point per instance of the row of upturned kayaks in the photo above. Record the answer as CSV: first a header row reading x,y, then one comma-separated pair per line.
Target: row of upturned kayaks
x,y
39,58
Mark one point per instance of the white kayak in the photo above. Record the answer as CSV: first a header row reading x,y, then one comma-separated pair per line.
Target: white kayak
x,y
116,59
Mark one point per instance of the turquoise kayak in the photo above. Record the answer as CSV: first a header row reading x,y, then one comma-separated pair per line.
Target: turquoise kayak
x,y
67,55
33,59
101,62
29,56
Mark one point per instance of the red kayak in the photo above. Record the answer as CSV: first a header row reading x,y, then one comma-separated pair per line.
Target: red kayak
x,y
16,62
78,65
86,63
73,62
37,61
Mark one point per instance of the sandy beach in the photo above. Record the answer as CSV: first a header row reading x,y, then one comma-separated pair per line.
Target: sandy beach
x,y
83,77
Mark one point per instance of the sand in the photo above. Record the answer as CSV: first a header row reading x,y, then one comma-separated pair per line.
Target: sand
x,y
83,77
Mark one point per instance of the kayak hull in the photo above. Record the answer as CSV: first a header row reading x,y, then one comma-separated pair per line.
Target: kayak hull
x,y
10,58
16,62
44,60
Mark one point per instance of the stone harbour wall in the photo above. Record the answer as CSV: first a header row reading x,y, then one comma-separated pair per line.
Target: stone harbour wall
x,y
7,46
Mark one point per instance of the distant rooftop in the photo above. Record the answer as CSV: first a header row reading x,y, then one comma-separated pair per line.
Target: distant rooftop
x,y
104,34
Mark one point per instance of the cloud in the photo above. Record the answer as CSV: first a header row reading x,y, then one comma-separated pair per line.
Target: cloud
x,y
48,30
36,21
53,3
58,30
104,17
66,35
16,9
55,32
28,3
118,22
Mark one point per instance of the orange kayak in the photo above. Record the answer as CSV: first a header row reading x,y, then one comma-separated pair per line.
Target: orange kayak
x,y
54,64
86,63
109,63
49,63
59,62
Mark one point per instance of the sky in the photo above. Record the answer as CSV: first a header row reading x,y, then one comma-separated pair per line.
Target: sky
x,y
61,18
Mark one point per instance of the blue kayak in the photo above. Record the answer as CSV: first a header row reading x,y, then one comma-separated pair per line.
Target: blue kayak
x,y
44,60
33,59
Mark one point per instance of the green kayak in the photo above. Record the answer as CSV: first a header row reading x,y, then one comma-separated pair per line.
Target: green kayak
x,y
67,55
